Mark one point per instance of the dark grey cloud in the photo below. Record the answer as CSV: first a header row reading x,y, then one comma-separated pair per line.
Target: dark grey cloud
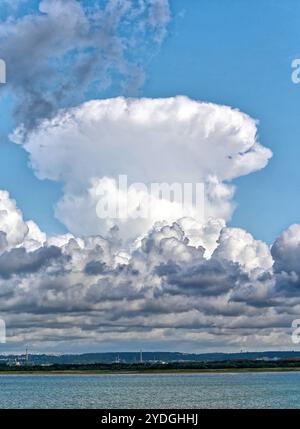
x,y
95,267
77,290
19,261
286,255
207,277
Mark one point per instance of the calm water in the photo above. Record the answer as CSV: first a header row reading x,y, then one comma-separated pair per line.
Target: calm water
x,y
247,390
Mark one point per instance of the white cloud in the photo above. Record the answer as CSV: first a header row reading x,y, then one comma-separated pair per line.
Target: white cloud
x,y
150,140
205,235
286,250
237,245
34,238
12,226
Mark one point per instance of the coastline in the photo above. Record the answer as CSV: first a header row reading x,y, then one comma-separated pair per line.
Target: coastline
x,y
150,372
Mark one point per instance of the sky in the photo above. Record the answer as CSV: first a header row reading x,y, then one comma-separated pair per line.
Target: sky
x,y
239,53
161,91
238,56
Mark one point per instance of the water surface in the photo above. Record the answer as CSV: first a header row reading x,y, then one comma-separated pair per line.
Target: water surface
x,y
237,390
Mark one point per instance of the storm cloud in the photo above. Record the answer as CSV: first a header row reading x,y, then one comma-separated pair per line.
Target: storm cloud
x,y
72,291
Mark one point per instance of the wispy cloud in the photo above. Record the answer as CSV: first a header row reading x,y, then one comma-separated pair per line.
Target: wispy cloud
x,y
63,50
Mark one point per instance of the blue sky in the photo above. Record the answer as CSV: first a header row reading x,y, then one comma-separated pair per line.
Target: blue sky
x,y
228,52
239,54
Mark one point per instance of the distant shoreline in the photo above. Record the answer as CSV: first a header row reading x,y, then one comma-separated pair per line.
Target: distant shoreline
x,y
213,367
148,371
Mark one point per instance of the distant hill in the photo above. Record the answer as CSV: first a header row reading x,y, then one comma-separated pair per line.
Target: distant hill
x,y
134,357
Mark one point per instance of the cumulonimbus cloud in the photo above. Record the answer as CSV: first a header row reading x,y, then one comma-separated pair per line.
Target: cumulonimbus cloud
x,y
182,279
150,140
181,282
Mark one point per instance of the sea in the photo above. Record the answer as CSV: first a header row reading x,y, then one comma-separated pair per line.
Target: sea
x,y
149,391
